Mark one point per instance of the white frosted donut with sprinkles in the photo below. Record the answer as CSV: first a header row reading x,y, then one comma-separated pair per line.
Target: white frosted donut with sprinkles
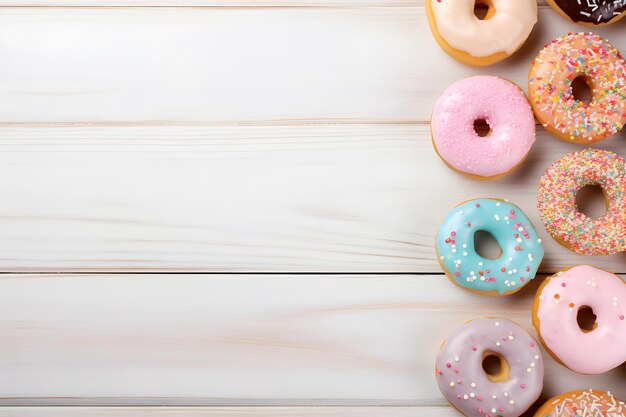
x,y
507,390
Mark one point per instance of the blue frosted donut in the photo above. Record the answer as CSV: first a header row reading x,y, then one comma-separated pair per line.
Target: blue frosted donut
x,y
521,247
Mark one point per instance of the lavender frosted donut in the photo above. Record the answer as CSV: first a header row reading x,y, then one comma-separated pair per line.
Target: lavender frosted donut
x,y
470,389
496,101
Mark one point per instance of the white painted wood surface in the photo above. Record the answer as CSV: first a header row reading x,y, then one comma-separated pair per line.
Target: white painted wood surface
x,y
269,135
237,339
244,198
226,412
217,3
227,65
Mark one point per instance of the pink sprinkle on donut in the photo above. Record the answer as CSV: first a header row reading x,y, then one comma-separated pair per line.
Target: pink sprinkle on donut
x,y
560,215
504,107
465,348
598,351
552,98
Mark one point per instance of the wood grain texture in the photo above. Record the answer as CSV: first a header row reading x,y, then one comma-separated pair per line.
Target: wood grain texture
x,y
216,3
227,412
228,65
237,138
329,198
211,339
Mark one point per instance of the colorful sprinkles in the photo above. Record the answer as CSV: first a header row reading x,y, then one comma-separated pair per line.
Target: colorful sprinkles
x,y
521,247
555,311
467,386
588,403
550,88
557,201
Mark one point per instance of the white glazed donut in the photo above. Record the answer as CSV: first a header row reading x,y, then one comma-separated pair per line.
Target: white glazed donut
x,y
472,41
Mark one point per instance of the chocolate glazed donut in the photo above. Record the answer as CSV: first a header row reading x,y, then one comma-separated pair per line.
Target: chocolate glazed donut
x,y
595,12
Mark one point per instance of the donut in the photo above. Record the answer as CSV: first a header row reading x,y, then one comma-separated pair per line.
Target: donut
x,y
556,202
555,310
588,403
550,88
466,384
477,42
500,103
590,12
521,247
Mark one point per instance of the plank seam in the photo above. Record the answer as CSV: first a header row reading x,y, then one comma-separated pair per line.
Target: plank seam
x,y
252,123
212,273
221,406
363,274
223,6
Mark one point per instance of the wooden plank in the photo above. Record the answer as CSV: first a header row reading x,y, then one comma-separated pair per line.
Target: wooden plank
x,y
236,339
244,198
216,3
209,3
229,65
227,412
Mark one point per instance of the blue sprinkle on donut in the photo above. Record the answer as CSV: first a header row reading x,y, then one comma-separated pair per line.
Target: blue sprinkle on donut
x,y
521,247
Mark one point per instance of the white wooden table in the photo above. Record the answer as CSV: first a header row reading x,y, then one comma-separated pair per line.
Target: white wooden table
x,y
229,207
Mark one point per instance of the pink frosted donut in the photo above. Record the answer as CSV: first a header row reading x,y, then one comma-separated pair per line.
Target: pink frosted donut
x,y
504,107
555,312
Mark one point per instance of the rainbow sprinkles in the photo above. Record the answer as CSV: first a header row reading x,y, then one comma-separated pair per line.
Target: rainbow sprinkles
x,y
521,247
550,88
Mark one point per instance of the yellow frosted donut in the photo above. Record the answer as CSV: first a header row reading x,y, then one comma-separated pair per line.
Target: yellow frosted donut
x,y
481,42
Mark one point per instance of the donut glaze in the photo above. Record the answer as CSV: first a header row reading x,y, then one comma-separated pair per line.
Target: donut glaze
x,y
521,247
556,202
550,88
481,42
555,311
590,12
505,108
588,403
465,384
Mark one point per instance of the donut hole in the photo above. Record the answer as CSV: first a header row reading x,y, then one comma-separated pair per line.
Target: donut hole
x,y
586,319
482,127
486,245
591,201
495,366
483,9
581,90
